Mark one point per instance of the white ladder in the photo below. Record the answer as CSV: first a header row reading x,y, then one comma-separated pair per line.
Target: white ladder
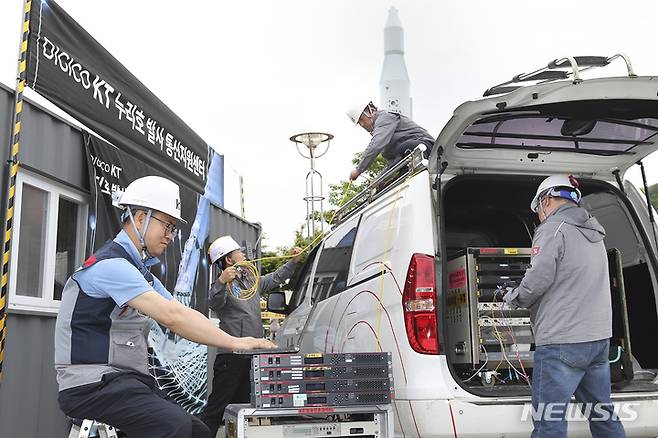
x,y
90,426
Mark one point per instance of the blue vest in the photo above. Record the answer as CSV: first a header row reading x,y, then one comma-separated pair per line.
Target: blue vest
x,y
93,336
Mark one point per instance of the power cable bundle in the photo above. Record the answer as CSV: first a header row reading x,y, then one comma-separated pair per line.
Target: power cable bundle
x,y
247,294
513,338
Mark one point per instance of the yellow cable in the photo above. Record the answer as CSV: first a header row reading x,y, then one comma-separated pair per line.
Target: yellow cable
x,y
389,230
500,340
497,335
247,294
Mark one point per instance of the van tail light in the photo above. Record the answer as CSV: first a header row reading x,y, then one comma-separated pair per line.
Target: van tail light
x,y
419,304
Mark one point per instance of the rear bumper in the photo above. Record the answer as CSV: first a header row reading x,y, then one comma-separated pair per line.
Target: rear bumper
x,y
457,418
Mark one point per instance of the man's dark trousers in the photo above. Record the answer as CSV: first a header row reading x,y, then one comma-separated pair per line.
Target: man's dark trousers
x,y
132,403
231,384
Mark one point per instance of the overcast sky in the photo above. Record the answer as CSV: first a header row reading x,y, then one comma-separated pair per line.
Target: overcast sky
x,y
246,75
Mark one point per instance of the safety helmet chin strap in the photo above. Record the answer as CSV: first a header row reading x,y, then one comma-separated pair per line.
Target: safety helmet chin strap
x,y
145,252
540,207
369,110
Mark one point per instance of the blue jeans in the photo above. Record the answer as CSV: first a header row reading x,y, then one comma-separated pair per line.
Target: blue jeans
x,y
582,370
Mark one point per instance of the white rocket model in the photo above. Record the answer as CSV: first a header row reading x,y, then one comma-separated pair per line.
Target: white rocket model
x,y
394,82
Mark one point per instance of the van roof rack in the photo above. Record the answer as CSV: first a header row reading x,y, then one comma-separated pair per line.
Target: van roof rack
x,y
559,69
384,182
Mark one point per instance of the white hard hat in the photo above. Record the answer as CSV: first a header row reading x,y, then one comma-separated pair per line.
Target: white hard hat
x,y
553,184
355,110
153,192
222,246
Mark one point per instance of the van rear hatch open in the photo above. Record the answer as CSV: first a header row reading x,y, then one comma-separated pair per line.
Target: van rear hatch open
x,y
498,149
589,128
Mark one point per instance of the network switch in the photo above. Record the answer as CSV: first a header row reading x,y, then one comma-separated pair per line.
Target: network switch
x,y
334,385
295,360
321,399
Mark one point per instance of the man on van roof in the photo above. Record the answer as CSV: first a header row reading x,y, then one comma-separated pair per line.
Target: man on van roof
x,y
567,291
393,135
105,316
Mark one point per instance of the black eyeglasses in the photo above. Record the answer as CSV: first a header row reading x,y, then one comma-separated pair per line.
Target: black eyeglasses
x,y
169,227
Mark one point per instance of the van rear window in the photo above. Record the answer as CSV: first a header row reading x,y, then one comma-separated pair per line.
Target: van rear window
x,y
580,134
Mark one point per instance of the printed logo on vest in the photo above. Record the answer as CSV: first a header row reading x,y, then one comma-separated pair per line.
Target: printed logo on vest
x,y
90,261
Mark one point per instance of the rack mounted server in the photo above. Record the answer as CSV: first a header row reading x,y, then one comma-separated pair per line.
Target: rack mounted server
x,y
369,421
337,379
275,374
329,385
295,360
480,326
316,399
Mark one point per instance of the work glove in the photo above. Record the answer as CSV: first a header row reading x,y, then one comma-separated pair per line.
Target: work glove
x,y
506,288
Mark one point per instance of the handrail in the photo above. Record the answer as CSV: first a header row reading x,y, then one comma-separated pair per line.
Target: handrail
x,y
380,185
560,69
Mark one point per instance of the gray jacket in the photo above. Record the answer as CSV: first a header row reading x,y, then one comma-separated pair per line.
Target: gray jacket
x,y
392,135
567,287
242,317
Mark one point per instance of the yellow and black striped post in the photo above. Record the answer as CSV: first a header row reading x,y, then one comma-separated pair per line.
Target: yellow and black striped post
x,y
12,164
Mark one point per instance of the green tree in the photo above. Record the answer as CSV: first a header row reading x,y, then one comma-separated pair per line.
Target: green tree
x,y
271,261
339,194
653,195
274,259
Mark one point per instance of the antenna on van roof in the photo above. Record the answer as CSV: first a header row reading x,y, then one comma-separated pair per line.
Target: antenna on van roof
x,y
559,69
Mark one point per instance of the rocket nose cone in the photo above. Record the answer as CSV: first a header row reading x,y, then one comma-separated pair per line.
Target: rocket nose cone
x,y
393,19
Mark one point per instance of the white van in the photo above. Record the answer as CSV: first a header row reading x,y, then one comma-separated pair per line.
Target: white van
x,y
379,280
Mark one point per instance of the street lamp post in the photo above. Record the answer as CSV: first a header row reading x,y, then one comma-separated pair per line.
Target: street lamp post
x,y
314,201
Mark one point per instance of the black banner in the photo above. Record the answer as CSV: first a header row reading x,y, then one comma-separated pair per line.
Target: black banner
x,y
71,69
111,169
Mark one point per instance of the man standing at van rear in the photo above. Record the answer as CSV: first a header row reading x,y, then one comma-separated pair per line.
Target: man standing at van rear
x,y
231,372
105,316
393,135
567,291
